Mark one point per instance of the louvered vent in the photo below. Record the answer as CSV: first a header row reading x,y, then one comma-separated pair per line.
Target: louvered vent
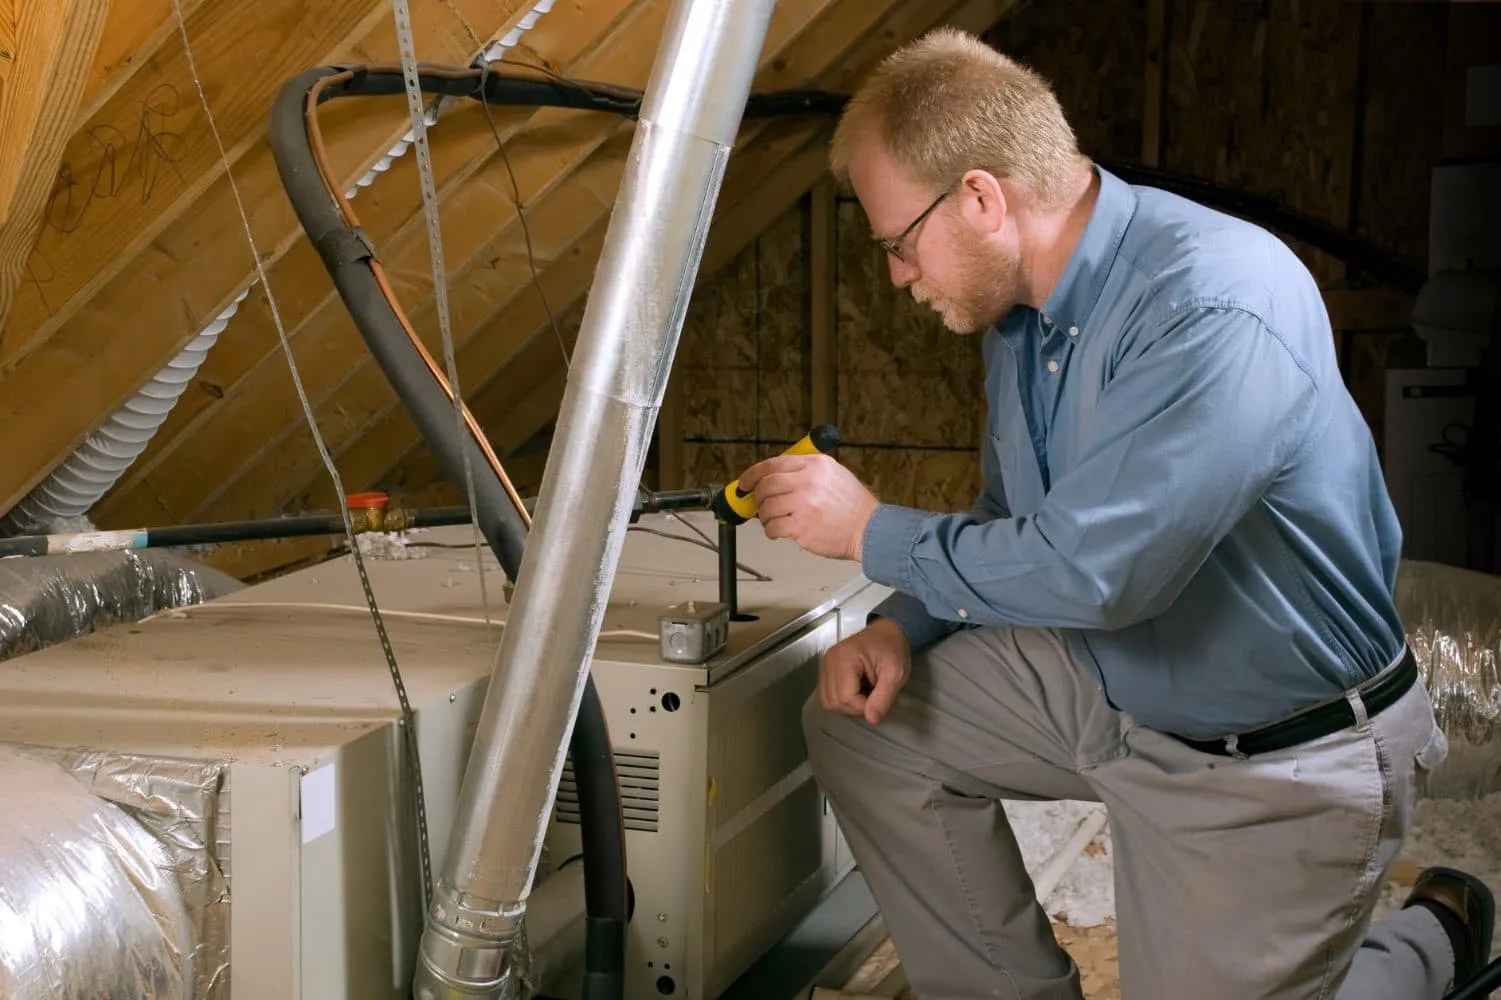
x,y
640,790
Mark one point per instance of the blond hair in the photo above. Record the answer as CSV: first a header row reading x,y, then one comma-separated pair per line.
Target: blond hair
x,y
948,103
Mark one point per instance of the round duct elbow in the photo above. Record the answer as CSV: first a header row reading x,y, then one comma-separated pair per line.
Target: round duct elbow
x,y
88,907
91,471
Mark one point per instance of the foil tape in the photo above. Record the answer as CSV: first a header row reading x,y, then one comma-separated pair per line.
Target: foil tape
x,y
88,908
1453,622
45,600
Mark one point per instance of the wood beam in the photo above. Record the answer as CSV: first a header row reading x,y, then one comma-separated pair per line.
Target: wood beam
x,y
150,153
7,38
136,29
248,370
56,394
517,339
55,42
568,176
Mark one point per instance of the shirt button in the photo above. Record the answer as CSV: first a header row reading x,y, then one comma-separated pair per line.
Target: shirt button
x,y
1073,331
963,613
1052,366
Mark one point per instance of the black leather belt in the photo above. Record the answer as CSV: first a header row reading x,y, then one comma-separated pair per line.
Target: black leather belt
x,y
1376,695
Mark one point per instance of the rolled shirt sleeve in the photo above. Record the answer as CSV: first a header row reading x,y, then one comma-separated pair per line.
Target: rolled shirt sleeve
x,y
1198,418
909,613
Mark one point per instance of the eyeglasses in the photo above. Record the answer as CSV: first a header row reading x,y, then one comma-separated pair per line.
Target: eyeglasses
x,y
894,247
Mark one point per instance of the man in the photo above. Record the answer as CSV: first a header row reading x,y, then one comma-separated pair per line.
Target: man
x,y
1174,594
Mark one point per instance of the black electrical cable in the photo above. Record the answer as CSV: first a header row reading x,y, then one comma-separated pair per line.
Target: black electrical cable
x,y
1360,253
301,525
352,264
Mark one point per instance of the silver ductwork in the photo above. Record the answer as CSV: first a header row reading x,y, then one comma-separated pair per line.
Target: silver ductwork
x,y
45,600
89,906
690,116
1453,621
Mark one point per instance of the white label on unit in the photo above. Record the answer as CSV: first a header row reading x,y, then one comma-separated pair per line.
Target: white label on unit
x,y
318,795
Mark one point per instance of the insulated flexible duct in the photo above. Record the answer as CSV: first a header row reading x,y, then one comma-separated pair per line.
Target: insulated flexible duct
x,y
89,907
87,474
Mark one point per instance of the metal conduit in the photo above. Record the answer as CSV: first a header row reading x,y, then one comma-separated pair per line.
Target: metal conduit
x,y
691,113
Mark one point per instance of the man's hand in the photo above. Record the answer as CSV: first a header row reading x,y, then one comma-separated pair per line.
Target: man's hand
x,y
814,501
877,659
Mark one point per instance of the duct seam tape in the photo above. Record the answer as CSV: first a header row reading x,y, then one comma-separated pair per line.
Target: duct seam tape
x,y
319,794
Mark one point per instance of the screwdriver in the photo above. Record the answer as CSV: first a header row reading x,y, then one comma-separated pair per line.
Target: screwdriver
x,y
732,506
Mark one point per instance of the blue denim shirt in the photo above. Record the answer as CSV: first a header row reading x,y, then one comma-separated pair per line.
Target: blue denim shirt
x,y
1175,477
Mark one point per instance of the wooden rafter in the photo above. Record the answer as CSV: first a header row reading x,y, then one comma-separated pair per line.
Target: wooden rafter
x,y
7,38
149,153
53,45
148,308
513,352
568,173
135,31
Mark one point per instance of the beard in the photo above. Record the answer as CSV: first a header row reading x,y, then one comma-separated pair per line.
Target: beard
x,y
984,285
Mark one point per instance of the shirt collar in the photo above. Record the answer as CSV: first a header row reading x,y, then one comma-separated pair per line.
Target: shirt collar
x,y
1073,299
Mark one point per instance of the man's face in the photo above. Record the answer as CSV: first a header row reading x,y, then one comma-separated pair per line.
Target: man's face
x,y
951,260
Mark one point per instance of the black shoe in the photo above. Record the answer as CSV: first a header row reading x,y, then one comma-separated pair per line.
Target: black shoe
x,y
1466,908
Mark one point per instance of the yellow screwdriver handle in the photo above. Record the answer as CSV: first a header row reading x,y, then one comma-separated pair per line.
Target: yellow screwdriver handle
x,y
737,507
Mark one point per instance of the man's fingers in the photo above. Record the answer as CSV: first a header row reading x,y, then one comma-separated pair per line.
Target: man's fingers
x,y
775,507
753,477
778,483
848,698
750,477
882,696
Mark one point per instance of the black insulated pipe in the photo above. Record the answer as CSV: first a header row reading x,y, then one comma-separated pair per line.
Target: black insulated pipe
x,y
347,255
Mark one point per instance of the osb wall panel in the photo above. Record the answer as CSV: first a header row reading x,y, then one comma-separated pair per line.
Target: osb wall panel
x,y
910,395
740,365
1261,97
1402,135
1096,64
909,403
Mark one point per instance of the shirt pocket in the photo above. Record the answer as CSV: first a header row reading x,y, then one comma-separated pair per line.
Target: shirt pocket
x,y
1011,444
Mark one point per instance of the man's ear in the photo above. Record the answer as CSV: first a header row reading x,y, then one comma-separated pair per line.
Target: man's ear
x,y
983,201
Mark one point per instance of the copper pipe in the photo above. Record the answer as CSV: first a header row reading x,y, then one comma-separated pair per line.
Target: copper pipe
x,y
320,157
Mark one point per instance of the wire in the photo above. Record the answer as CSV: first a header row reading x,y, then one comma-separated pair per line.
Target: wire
x,y
418,114
431,616
408,718
526,230
320,157
759,576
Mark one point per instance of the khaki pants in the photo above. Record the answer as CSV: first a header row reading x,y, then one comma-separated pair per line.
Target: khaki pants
x,y
1235,879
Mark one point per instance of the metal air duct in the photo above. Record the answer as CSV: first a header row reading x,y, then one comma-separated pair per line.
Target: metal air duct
x,y
691,113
